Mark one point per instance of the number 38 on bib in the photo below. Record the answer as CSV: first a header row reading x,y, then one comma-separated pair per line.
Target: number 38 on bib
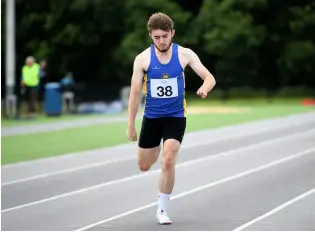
x,y
164,88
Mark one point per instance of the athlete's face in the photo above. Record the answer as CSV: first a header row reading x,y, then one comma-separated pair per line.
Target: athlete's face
x,y
162,39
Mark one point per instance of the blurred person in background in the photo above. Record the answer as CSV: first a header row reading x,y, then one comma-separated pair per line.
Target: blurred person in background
x,y
67,87
162,67
43,75
30,84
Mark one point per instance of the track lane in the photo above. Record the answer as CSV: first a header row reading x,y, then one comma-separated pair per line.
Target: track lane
x,y
12,172
106,202
50,186
232,204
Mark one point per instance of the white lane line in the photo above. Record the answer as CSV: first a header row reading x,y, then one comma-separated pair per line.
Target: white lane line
x,y
275,210
103,163
203,187
48,174
93,165
133,177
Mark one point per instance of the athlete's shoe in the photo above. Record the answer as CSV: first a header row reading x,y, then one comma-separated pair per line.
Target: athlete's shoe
x,y
163,218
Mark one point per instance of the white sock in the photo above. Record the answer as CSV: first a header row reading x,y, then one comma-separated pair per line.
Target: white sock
x,y
163,202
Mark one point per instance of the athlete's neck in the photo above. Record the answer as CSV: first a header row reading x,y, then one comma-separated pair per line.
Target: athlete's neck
x,y
164,54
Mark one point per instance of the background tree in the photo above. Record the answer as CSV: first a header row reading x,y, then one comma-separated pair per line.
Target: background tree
x,y
247,44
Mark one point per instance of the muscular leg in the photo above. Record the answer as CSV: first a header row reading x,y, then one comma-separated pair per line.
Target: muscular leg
x,y
149,143
147,157
167,177
172,135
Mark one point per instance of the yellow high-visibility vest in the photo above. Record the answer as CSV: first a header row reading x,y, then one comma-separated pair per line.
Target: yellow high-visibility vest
x,y
31,75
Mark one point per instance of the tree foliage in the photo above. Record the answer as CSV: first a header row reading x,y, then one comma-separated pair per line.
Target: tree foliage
x,y
256,43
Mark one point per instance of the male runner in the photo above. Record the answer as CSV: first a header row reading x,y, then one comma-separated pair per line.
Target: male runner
x,y
162,68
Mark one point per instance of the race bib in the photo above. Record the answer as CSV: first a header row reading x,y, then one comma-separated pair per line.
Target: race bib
x,y
164,88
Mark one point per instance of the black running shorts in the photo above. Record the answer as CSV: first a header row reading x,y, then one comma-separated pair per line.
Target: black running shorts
x,y
153,130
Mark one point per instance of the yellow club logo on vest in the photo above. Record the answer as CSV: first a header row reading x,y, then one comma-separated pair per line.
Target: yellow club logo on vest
x,y
165,76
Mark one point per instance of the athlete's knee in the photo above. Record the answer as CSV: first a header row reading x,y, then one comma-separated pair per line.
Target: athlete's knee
x,y
169,156
168,162
144,166
147,157
171,148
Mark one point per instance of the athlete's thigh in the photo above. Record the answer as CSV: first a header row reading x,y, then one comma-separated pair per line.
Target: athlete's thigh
x,y
173,134
150,139
174,128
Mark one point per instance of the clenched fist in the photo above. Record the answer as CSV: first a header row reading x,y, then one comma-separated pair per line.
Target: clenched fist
x,y
202,92
132,134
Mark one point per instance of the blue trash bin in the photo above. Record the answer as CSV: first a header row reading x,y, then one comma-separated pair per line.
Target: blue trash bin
x,y
53,102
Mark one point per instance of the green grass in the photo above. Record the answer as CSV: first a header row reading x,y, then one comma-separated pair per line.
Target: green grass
x,y
33,146
47,119
253,102
191,101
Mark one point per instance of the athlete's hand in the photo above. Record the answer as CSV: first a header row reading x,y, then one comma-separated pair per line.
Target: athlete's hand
x,y
132,134
202,92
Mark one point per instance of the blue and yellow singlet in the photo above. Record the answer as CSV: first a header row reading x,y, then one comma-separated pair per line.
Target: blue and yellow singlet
x,y
164,85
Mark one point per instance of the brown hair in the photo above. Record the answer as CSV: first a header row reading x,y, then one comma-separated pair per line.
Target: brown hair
x,y
160,21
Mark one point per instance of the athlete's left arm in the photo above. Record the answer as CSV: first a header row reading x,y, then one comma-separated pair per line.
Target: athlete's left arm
x,y
195,63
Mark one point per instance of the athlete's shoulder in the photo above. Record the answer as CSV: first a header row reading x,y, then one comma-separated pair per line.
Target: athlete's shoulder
x,y
143,58
144,54
185,51
188,55
185,55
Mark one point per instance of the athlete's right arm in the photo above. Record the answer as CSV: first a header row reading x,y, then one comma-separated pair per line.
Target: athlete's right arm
x,y
135,91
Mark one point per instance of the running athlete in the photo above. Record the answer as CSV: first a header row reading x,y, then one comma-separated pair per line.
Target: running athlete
x,y
161,67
